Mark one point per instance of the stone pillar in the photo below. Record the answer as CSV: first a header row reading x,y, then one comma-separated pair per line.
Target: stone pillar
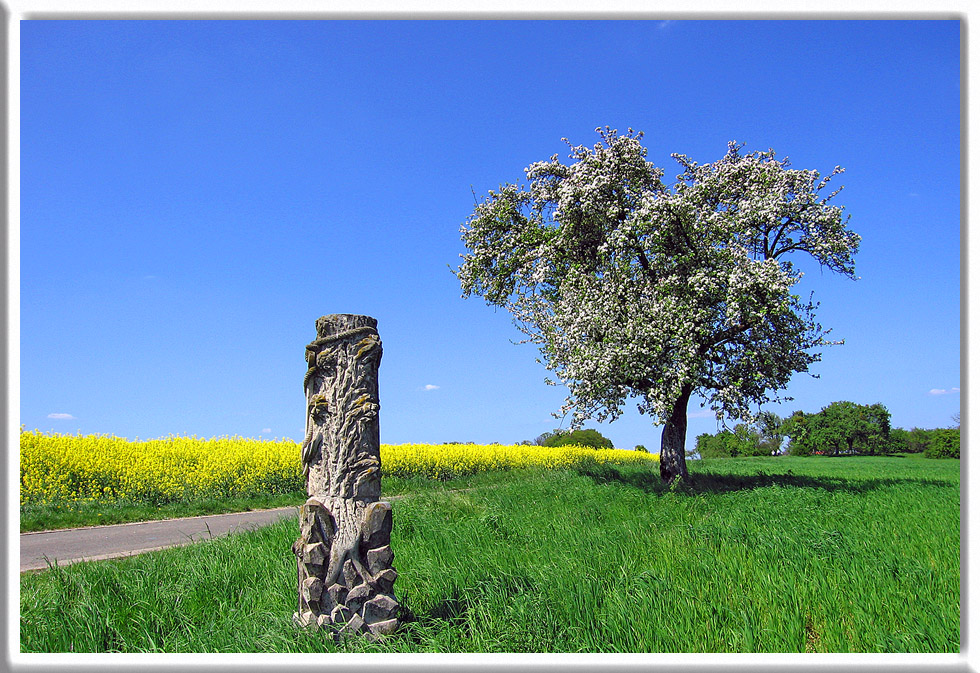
x,y
344,557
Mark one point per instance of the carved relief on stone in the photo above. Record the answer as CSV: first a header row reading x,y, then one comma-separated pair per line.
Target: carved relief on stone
x,y
344,556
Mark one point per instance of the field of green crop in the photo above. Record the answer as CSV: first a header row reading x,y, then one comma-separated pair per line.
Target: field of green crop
x,y
856,554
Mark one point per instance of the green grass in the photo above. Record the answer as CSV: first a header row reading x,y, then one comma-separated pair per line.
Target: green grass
x,y
76,514
756,555
52,516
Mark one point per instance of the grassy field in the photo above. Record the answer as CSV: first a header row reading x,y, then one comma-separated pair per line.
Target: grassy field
x,y
757,555
72,514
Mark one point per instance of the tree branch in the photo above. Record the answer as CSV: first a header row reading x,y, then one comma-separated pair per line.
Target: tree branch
x,y
731,333
788,248
644,262
770,250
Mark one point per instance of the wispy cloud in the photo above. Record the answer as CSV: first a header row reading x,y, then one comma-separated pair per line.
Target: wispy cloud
x,y
664,24
62,417
942,391
704,413
429,386
266,431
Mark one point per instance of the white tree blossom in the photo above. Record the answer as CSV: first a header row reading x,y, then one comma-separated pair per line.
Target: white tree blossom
x,y
632,288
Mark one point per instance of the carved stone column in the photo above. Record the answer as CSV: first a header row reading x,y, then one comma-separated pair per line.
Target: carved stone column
x,y
344,557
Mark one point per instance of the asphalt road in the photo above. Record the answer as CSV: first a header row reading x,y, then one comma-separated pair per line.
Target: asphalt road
x,y
96,543
105,542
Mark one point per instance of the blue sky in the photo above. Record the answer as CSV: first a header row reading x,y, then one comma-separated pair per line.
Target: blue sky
x,y
194,194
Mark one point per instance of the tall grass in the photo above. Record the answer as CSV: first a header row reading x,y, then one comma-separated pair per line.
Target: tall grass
x,y
763,555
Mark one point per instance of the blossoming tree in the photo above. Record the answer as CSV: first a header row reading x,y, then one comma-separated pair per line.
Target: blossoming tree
x,y
633,288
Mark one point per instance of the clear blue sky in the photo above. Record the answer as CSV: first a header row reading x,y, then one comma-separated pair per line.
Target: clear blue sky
x,y
194,194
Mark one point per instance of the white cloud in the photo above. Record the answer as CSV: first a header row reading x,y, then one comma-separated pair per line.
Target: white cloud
x,y
704,413
429,386
62,417
266,431
941,391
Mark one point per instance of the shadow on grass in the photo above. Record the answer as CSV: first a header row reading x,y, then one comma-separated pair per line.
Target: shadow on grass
x,y
451,609
452,613
706,482
420,628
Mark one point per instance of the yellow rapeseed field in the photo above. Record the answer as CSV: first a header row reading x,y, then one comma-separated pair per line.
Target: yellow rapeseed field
x,y
445,461
71,468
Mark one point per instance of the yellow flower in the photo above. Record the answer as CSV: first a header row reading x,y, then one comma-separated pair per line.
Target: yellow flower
x,y
71,468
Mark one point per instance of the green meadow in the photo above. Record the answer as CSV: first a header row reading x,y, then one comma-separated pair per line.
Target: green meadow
x,y
852,554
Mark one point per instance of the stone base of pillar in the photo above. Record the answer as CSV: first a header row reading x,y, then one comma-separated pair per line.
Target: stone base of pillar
x,y
346,578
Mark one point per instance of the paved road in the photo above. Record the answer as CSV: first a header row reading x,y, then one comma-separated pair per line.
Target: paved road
x,y
96,543
105,542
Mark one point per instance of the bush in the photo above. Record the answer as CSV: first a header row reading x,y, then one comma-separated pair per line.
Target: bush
x,y
588,438
641,448
944,443
915,440
743,441
918,440
721,445
898,441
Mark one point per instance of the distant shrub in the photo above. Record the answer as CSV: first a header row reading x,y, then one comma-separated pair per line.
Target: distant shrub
x,y
640,447
588,438
943,443
728,444
918,440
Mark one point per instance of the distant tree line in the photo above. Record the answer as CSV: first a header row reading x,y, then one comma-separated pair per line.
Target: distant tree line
x,y
587,438
763,438
841,428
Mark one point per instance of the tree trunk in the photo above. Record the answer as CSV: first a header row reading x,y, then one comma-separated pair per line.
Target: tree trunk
x,y
672,462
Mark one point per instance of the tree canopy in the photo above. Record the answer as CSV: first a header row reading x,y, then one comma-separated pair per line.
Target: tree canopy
x,y
588,437
633,288
842,427
763,438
